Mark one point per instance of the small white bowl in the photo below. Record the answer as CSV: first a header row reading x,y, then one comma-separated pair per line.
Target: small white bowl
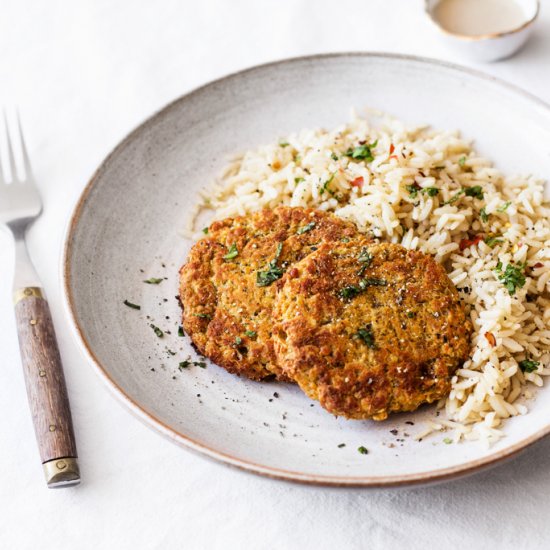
x,y
490,46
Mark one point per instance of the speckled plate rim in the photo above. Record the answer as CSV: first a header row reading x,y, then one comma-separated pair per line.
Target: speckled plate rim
x,y
433,476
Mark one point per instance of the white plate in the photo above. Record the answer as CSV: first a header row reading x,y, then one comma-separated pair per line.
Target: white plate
x,y
126,228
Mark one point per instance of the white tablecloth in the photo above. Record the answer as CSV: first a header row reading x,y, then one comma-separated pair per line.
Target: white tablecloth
x,y
84,73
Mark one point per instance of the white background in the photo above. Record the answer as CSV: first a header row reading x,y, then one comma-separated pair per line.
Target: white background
x,y
83,74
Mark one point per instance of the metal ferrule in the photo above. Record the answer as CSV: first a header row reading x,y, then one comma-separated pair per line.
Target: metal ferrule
x,y
27,292
62,472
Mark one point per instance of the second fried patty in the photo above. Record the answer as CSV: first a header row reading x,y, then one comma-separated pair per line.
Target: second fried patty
x,y
369,329
229,283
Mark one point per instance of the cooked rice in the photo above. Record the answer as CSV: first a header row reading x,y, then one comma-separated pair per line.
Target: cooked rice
x,y
311,169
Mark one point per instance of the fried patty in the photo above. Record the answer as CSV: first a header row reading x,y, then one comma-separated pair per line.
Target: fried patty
x,y
229,283
369,329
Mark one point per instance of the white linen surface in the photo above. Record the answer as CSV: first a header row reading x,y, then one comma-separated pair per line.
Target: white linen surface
x,y
83,74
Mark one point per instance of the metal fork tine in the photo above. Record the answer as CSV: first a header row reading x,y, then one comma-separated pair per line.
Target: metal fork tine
x,y
11,157
26,160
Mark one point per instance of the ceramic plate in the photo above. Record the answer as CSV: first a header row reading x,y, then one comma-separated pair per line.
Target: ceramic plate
x,y
127,228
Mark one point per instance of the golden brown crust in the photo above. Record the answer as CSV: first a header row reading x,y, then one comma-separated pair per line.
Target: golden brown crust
x,y
225,312
366,349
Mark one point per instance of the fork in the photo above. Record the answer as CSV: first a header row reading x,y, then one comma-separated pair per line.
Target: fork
x,y
20,206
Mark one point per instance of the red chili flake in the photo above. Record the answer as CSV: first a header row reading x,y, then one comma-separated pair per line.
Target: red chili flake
x,y
491,339
466,243
537,265
392,148
358,182
477,239
394,157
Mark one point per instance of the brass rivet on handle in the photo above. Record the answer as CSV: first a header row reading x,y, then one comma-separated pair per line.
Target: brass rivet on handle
x,y
41,373
52,427
33,322
61,464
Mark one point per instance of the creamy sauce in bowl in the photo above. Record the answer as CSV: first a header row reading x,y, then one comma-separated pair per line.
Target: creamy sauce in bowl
x,y
479,17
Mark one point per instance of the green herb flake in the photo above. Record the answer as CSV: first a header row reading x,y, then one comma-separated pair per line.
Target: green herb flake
x,y
371,281
431,191
413,190
411,314
251,333
342,445
492,241
187,363
447,441
349,292
129,304
180,331
334,156
170,352
325,185
202,315
528,366
365,257
283,144
344,240
363,450
362,152
153,281
365,335
455,197
298,180
157,330
504,206
238,341
483,215
205,230
475,191
512,277
305,228
232,252
462,161
273,271
266,278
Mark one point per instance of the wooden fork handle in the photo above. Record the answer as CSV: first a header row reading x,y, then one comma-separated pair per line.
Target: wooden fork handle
x,y
46,389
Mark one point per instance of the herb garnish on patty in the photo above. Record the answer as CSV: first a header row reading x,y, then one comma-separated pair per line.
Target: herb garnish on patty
x,y
273,271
